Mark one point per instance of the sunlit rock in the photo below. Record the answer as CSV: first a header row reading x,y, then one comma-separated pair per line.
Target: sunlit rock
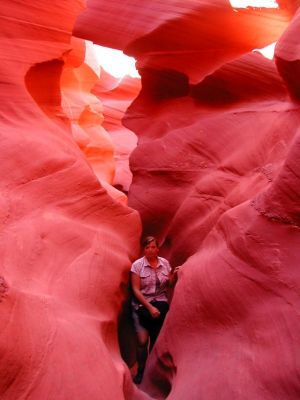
x,y
95,103
85,111
116,94
194,37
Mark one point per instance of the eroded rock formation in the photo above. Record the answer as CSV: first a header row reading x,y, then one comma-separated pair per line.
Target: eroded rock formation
x,y
66,245
215,177
116,95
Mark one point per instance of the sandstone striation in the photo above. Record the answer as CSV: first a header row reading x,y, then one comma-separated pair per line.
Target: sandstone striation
x,y
66,244
215,177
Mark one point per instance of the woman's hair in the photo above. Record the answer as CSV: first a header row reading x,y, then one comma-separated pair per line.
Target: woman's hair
x,y
149,239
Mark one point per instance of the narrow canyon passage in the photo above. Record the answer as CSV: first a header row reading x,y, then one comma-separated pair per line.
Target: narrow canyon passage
x,y
202,152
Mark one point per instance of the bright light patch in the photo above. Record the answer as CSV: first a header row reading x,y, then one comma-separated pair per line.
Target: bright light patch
x,y
267,51
254,3
115,62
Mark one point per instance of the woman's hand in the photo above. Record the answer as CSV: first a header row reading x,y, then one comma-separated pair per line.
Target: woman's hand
x,y
173,276
154,312
175,272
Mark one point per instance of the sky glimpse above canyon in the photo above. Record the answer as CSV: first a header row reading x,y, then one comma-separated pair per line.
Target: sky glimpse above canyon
x,y
254,3
116,62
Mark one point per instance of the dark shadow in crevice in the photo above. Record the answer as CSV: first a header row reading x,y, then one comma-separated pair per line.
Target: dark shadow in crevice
x,y
43,83
162,376
290,70
164,84
214,91
126,335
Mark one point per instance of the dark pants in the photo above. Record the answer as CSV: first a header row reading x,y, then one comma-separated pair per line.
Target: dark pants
x,y
153,325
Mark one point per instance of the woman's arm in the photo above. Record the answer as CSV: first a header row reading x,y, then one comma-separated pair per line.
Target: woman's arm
x,y
136,288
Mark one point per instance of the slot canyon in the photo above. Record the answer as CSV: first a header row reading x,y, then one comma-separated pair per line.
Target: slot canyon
x,y
202,151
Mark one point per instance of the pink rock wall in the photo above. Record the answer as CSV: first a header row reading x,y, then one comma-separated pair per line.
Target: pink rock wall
x,y
66,245
216,178
194,38
209,172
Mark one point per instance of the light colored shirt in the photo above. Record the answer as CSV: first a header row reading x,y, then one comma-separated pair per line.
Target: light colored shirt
x,y
154,281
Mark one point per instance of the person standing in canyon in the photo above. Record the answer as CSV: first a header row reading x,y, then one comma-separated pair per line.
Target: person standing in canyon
x,y
151,277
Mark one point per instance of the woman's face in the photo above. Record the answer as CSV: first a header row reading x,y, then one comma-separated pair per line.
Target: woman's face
x,y
151,250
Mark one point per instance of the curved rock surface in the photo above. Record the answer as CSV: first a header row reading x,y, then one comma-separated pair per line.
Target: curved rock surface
x,y
216,178
66,245
287,57
116,94
95,102
195,37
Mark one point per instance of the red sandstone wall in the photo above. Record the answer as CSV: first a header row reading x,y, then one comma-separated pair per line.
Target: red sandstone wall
x,y
216,178
66,245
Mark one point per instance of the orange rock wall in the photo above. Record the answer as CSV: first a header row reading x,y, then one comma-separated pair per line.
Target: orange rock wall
x,y
116,94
